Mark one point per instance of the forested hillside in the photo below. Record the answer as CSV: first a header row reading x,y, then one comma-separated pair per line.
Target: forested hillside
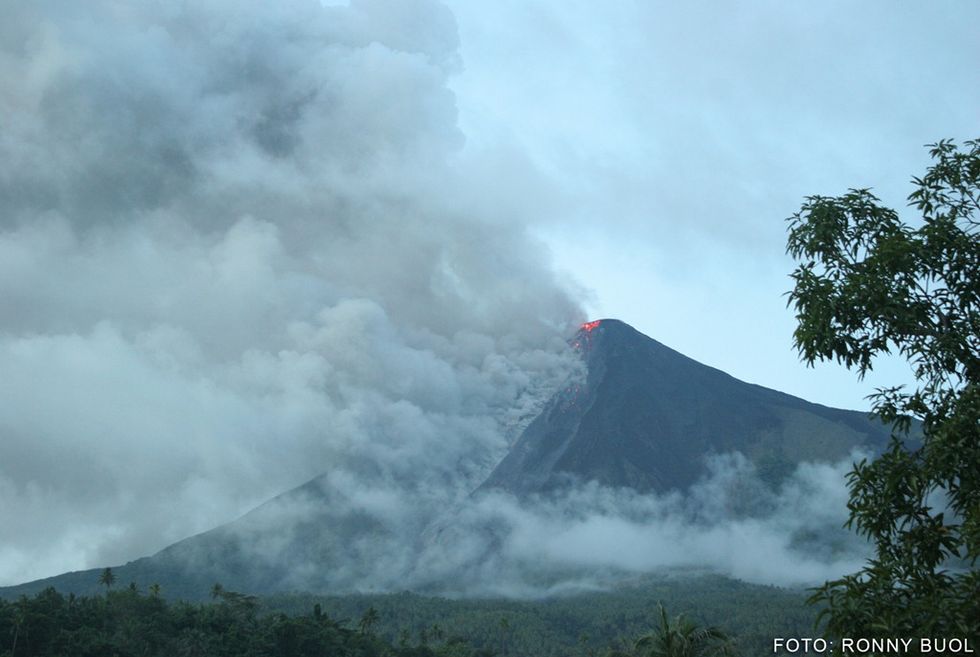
x,y
132,622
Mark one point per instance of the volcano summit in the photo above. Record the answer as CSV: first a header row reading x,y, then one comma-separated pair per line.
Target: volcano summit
x,y
646,416
642,422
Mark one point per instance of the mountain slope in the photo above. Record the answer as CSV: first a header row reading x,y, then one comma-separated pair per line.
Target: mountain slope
x,y
307,539
646,416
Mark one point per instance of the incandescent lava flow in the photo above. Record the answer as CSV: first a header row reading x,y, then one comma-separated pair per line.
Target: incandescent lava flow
x,y
583,338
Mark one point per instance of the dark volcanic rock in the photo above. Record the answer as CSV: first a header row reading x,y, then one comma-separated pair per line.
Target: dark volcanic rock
x,y
646,416
643,417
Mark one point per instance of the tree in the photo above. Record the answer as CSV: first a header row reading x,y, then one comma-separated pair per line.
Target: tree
x,y
20,617
869,284
107,579
682,637
368,620
504,626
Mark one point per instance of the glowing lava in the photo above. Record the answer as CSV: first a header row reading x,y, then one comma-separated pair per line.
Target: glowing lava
x,y
583,339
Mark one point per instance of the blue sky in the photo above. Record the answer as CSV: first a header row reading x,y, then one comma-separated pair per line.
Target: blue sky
x,y
673,139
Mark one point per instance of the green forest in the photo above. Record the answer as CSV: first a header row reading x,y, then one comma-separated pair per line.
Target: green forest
x,y
129,621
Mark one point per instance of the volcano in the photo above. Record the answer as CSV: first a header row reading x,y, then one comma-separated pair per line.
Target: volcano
x,y
642,416
645,417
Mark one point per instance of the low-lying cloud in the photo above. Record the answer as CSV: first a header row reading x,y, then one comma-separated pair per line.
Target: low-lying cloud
x,y
730,522
368,532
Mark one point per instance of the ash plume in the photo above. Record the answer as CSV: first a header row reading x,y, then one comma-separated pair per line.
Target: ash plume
x,y
237,250
240,250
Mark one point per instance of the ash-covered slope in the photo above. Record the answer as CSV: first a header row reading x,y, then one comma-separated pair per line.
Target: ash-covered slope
x,y
646,416
310,538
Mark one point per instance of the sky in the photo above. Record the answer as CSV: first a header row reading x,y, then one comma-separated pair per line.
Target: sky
x,y
242,244
676,138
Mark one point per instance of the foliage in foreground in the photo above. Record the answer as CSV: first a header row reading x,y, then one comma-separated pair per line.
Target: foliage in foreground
x,y
610,624
584,624
127,623
870,284
680,637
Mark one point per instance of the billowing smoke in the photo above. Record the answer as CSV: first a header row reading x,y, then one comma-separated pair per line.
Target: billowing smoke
x,y
730,522
341,534
238,249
